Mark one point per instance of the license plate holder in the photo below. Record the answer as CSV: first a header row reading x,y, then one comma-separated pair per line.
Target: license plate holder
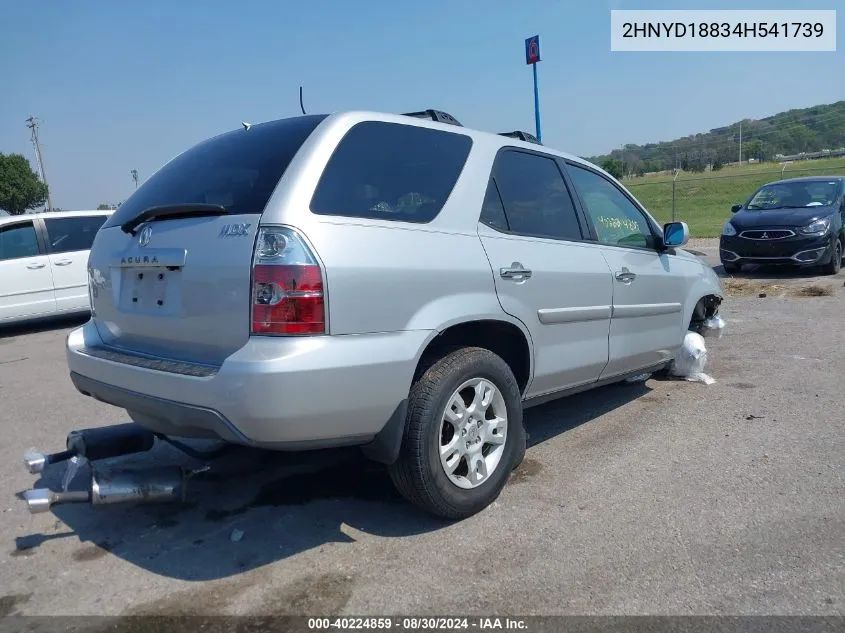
x,y
149,290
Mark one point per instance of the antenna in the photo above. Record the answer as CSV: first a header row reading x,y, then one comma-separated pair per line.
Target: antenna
x,y
301,107
246,125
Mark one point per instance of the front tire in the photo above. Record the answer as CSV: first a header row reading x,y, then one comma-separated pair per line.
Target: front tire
x,y
463,435
730,269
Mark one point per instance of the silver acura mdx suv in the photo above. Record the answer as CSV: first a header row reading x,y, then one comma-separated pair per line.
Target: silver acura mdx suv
x,y
395,282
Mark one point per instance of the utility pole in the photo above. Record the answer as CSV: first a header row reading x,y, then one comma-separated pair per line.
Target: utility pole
x,y
32,124
134,174
740,142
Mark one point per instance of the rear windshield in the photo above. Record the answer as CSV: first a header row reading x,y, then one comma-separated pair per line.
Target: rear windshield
x,y
390,171
237,170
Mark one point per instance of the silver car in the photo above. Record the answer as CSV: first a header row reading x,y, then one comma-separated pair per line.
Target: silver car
x,y
396,282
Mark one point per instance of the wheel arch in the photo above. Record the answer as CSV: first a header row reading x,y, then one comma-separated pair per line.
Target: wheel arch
x,y
507,338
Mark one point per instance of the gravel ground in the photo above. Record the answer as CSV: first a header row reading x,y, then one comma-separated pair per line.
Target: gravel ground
x,y
664,497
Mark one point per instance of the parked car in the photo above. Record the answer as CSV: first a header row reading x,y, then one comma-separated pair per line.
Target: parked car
x,y
798,221
396,282
43,263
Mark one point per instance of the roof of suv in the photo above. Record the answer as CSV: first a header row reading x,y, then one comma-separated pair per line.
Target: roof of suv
x,y
6,219
509,138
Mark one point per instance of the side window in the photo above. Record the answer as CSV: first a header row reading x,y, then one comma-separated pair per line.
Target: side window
x,y
18,240
391,171
73,234
535,196
616,219
492,211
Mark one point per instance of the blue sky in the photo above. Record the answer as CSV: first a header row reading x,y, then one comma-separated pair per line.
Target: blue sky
x,y
123,85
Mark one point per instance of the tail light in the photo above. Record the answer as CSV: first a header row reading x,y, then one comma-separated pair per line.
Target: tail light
x,y
287,285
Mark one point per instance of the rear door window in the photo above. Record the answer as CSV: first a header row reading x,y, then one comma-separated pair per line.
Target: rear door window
x,y
391,171
18,240
65,235
534,195
238,170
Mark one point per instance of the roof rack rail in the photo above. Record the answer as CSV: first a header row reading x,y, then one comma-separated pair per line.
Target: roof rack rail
x,y
522,136
435,115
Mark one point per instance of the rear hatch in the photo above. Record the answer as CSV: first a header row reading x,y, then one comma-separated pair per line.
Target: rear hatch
x,y
170,271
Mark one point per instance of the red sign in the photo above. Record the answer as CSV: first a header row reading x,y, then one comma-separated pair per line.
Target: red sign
x,y
532,50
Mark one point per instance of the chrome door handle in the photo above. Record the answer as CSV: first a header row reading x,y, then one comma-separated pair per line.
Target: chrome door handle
x,y
35,266
64,262
625,276
515,271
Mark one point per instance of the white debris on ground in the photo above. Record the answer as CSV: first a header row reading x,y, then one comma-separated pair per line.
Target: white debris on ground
x,y
714,326
691,359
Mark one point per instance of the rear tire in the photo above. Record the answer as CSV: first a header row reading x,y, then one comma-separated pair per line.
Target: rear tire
x,y
835,264
486,430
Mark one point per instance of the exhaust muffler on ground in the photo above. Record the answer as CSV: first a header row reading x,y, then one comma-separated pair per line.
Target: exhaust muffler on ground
x,y
165,484
93,444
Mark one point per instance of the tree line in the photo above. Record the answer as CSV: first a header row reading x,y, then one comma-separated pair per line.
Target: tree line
x,y
786,133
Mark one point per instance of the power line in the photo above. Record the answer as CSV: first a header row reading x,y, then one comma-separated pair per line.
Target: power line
x,y
32,124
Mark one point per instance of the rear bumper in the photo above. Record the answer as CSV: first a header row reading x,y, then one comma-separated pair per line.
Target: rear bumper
x,y
797,251
275,392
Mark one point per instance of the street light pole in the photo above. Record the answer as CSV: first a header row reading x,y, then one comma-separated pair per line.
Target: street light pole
x,y
677,171
32,124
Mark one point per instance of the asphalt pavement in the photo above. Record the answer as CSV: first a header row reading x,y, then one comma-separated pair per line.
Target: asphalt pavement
x,y
665,497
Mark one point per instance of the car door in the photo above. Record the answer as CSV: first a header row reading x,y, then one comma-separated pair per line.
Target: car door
x,y
26,282
69,240
648,284
545,275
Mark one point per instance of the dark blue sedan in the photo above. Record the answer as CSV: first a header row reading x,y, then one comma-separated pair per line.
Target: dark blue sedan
x,y
797,221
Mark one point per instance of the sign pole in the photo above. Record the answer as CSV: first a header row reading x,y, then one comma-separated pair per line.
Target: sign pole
x,y
532,56
536,104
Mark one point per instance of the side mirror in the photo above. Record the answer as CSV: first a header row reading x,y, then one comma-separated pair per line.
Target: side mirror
x,y
675,234
736,208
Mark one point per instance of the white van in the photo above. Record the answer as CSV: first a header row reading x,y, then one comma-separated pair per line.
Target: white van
x,y
44,263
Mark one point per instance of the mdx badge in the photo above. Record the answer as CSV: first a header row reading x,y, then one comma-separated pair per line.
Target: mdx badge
x,y
145,235
234,230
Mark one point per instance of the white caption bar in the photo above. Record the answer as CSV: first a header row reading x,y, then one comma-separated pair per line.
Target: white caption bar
x,y
728,30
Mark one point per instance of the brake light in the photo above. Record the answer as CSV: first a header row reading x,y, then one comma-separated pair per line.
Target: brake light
x,y
287,285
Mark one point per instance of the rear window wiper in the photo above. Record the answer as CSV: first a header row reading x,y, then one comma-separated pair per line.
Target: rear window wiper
x,y
172,211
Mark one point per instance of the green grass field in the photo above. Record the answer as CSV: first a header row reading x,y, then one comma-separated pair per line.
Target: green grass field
x,y
704,200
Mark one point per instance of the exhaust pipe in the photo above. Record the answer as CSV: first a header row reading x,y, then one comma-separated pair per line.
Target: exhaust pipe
x,y
154,485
